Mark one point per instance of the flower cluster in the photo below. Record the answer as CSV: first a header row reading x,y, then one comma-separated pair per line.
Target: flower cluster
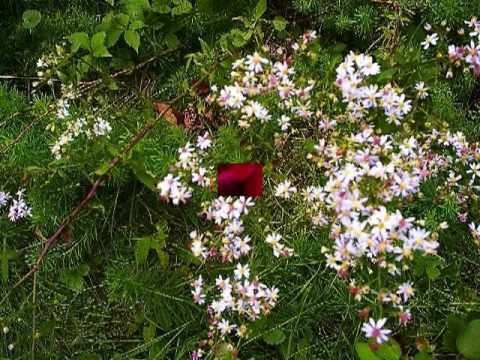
x,y
255,76
190,168
229,244
17,206
242,294
467,55
279,249
361,97
91,127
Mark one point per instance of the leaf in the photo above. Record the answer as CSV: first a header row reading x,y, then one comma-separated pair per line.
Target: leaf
x,y
279,23
423,355
149,332
364,352
161,6
132,38
137,24
142,248
172,41
389,351
137,164
31,18
79,40
73,278
182,7
260,9
468,343
136,8
455,326
154,242
166,111
97,44
275,337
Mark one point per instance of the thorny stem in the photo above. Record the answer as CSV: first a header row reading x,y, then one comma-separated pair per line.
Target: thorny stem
x,y
91,193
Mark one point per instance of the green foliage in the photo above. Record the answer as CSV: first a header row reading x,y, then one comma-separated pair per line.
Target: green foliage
x,y
117,282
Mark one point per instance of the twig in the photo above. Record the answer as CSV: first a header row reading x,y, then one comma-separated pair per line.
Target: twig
x,y
23,132
34,315
91,193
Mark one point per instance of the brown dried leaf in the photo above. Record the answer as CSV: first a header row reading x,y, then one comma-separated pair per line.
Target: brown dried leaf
x,y
167,112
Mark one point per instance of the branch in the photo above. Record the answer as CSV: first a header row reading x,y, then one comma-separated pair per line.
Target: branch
x,y
91,193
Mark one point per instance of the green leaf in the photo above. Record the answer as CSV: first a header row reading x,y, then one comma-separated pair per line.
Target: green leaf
x,y
136,8
260,9
468,343
423,355
364,352
171,40
455,326
149,332
73,278
275,337
79,40
31,18
137,24
161,6
132,38
279,23
97,44
155,242
182,7
389,351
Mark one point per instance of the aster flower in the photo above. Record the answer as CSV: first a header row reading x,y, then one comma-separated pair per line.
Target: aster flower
x,y
254,62
374,329
285,190
422,91
431,39
406,291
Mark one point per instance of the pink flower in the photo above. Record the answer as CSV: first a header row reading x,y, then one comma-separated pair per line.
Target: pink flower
x,y
374,329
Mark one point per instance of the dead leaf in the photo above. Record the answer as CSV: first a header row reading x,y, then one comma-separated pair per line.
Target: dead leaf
x,y
167,112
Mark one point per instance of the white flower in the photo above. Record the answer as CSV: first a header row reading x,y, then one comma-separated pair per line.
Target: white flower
x,y
200,177
242,271
406,291
225,327
284,122
255,61
204,142
421,90
4,198
101,127
430,40
375,330
285,190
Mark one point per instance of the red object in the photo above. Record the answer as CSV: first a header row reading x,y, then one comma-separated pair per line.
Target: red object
x,y
240,179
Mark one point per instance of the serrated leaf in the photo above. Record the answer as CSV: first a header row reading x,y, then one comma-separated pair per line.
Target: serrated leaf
x,y
79,40
137,24
142,248
31,18
468,343
364,352
279,23
161,6
182,7
98,47
132,38
136,8
260,9
275,337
